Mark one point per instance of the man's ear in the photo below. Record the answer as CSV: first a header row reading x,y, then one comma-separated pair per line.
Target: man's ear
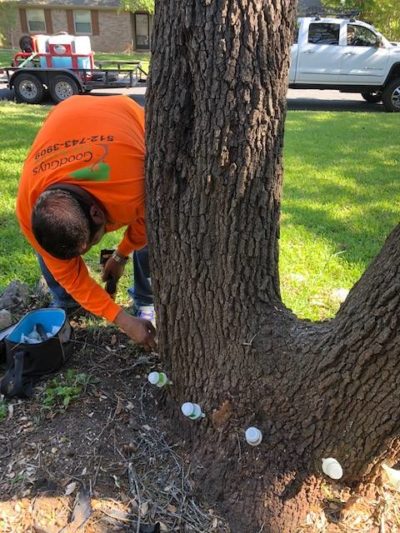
x,y
83,248
97,214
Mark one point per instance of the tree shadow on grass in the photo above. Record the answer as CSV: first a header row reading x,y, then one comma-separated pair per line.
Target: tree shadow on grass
x,y
341,181
358,242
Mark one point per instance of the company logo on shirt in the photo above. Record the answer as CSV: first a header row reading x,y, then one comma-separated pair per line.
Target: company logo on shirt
x,y
91,159
97,171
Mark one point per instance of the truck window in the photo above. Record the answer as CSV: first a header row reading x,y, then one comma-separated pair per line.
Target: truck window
x,y
323,33
360,36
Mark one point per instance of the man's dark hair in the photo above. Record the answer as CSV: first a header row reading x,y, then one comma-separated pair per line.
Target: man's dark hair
x,y
62,224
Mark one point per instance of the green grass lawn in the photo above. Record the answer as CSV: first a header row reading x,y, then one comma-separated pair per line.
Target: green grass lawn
x,y
18,126
5,57
144,57
340,200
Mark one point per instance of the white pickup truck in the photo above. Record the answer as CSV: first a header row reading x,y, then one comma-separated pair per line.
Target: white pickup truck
x,y
347,55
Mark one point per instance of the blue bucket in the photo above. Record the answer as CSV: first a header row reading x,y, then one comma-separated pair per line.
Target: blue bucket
x,y
48,318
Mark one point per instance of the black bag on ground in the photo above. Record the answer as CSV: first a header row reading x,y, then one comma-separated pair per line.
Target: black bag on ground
x,y
27,362
3,335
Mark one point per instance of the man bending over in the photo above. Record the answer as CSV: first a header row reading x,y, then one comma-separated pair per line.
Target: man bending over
x,y
84,177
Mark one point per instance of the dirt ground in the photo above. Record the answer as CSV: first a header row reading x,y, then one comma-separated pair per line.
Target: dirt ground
x,y
106,462
102,464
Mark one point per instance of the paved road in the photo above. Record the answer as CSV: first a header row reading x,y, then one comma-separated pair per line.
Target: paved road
x,y
330,101
313,100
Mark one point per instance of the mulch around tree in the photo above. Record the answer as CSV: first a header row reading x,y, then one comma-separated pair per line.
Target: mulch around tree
x,y
104,461
107,462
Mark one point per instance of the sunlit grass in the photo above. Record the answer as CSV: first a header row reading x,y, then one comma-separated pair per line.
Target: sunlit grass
x,y
340,200
19,124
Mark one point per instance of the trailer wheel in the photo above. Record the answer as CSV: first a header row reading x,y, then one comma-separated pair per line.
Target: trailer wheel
x,y
28,89
62,87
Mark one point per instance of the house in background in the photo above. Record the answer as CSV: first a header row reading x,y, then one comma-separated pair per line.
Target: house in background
x,y
110,29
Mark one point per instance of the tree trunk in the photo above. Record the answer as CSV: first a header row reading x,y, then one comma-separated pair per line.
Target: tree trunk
x,y
215,123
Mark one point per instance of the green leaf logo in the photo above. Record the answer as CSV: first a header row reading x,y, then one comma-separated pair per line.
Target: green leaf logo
x,y
96,172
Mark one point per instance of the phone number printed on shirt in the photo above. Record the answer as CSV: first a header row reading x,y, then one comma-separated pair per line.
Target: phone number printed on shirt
x,y
70,143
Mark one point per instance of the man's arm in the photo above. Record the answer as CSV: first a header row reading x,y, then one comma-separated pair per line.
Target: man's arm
x,y
74,277
134,237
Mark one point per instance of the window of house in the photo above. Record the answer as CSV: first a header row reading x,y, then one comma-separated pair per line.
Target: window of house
x,y
83,22
323,33
142,31
36,21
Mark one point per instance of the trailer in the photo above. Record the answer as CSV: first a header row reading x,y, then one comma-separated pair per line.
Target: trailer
x,y
63,65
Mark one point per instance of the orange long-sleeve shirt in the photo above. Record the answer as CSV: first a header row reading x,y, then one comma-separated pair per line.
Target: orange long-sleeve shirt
x,y
98,144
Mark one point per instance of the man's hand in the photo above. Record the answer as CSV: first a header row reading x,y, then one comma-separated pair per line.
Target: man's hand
x,y
139,330
112,269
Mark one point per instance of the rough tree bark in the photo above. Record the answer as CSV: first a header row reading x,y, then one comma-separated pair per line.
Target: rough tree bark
x,y
215,124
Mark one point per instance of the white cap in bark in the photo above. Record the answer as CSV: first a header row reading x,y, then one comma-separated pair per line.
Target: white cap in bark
x,y
332,468
192,410
158,378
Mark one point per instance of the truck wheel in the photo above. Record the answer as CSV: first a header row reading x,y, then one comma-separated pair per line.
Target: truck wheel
x,y
373,97
62,87
28,89
391,96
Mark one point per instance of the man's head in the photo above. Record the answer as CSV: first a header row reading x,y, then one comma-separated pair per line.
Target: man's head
x,y
67,223
351,35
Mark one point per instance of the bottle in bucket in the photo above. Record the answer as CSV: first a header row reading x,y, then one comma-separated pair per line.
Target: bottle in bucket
x,y
158,378
192,410
253,436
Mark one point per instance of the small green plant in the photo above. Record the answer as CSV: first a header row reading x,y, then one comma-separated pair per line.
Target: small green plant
x,y
64,389
3,410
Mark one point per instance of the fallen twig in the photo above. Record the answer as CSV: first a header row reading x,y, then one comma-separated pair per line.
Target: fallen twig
x,y
108,423
134,489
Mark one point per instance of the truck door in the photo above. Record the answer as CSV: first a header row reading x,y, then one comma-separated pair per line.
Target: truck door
x,y
319,55
363,60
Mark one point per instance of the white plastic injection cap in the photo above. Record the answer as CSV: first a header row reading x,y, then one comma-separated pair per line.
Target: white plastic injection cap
x,y
253,436
153,378
332,468
187,408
